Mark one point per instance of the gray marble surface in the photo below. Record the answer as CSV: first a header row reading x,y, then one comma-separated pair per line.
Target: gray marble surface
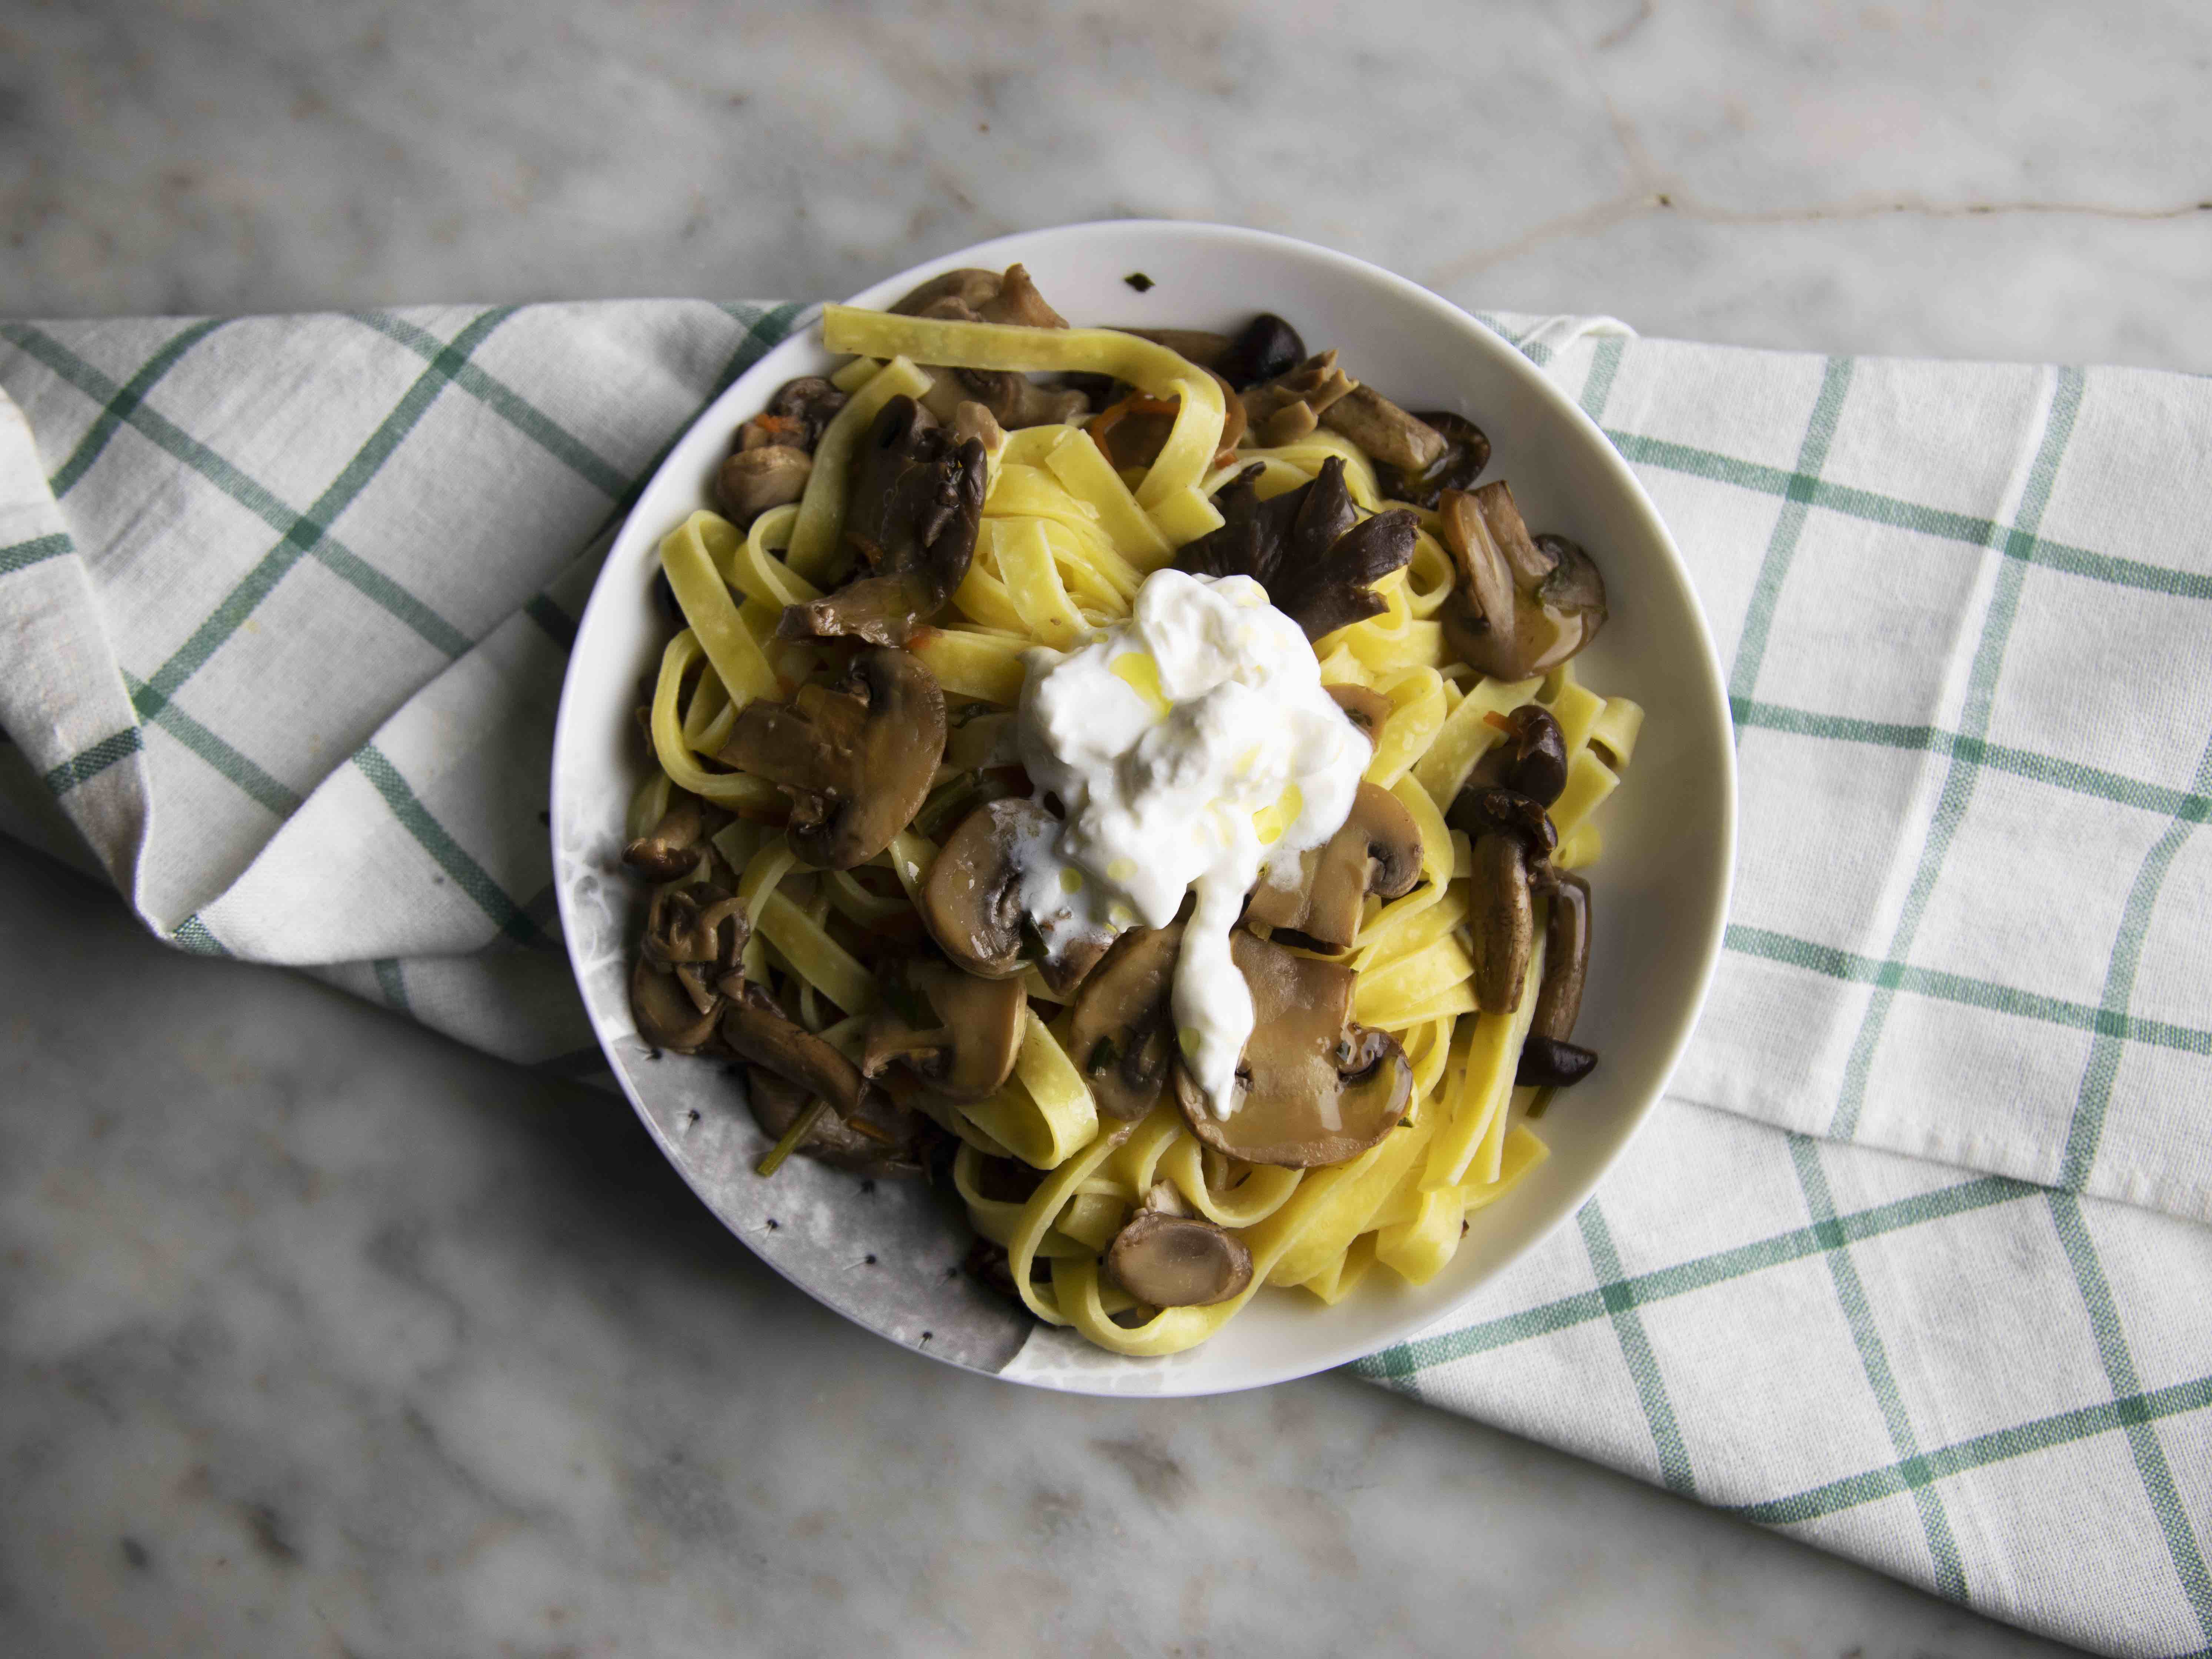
x,y
319,1335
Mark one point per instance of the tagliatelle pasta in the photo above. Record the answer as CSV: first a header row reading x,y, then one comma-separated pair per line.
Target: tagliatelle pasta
x,y
1065,539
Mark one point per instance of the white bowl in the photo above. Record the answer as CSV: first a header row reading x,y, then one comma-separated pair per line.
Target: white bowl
x,y
887,1257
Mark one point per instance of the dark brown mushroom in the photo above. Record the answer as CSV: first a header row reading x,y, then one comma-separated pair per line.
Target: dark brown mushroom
x,y
983,296
1546,1064
754,480
759,1030
956,1032
971,900
1480,811
1015,400
883,1138
1264,349
1194,345
672,848
1524,604
1501,921
1318,560
1566,958
1386,434
1533,759
667,1015
1312,1088
794,417
1177,1262
1287,408
1133,431
856,758
696,925
1364,709
1377,850
1120,1032
916,502
1466,451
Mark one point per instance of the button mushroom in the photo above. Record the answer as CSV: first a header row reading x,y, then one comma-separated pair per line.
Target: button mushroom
x,y
1386,434
794,417
672,848
1533,759
1177,1262
1524,605
1307,547
1466,451
883,1139
856,758
1287,408
751,481
1548,1059
1313,1088
971,900
760,1031
956,1032
1377,850
1366,709
1265,349
917,500
1120,1032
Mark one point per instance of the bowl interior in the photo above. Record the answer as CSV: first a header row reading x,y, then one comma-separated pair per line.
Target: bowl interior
x,y
888,1257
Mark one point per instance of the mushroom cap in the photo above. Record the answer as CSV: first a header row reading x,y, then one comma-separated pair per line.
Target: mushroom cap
x,y
671,848
1524,604
1466,451
971,900
1545,1063
696,926
760,1031
1502,921
1178,1261
1533,759
754,480
1480,811
1120,1032
856,758
667,1016
956,1032
1264,349
1313,1089
1566,958
1377,850
1366,708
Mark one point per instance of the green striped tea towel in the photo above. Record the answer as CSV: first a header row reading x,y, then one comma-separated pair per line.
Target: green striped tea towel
x,y
1915,1262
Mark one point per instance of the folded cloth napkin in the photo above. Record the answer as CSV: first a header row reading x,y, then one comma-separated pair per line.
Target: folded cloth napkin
x,y
1913,1262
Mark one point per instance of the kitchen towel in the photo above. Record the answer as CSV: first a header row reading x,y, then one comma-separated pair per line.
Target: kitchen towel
x,y
1915,1260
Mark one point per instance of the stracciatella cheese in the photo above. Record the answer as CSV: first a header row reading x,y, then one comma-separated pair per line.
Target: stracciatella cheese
x,y
1191,748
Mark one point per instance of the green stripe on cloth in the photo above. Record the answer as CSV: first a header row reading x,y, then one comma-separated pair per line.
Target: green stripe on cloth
x,y
1701,1272
1962,773
1874,1360
118,409
90,763
1628,1330
37,551
1605,365
552,619
191,934
390,982
1998,1446
2096,1096
2181,1543
507,404
256,784
1788,527
1834,964
448,853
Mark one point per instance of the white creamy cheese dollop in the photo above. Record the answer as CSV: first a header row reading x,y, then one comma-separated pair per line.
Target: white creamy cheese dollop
x,y
1192,747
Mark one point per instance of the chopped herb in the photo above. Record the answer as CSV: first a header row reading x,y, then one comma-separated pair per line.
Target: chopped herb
x,y
801,1126
1543,1099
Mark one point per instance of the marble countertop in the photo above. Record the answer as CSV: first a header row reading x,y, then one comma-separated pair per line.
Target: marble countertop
x,y
320,1335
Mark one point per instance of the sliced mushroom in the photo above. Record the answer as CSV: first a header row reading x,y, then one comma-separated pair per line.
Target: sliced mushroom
x,y
1313,1088
856,758
1386,434
794,417
1466,451
1307,547
1265,349
971,900
1284,409
1533,759
1501,922
672,848
754,480
760,1031
1366,709
688,927
1377,850
1524,605
667,1016
1566,958
892,1144
917,500
1133,431
1178,1261
1121,1033
956,1032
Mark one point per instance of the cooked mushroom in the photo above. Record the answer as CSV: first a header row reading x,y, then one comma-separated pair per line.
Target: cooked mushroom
x,y
1307,547
1133,431
971,900
1120,1033
794,416
1284,409
891,1144
1386,434
1533,759
754,480
1378,851
1566,958
1546,1064
1480,811
1265,347
1015,400
671,848
667,1015
1501,922
1313,1088
983,296
1194,345
917,500
1466,451
760,1031
1364,709
972,420
688,927
956,1032
855,757
1177,1262
1524,605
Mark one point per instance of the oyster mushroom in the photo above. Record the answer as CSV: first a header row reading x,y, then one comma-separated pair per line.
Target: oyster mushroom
x,y
1524,605
956,1032
758,1030
1377,850
892,1144
1533,759
1120,1032
855,757
751,481
693,935
1177,1262
672,848
1547,1059
1307,547
1266,349
971,900
1386,434
1366,709
1501,922
666,1014
1284,409
1313,1088
794,417
1466,451
1014,400
971,295
917,500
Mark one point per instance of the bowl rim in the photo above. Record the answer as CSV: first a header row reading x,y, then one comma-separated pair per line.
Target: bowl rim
x,y
1608,461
